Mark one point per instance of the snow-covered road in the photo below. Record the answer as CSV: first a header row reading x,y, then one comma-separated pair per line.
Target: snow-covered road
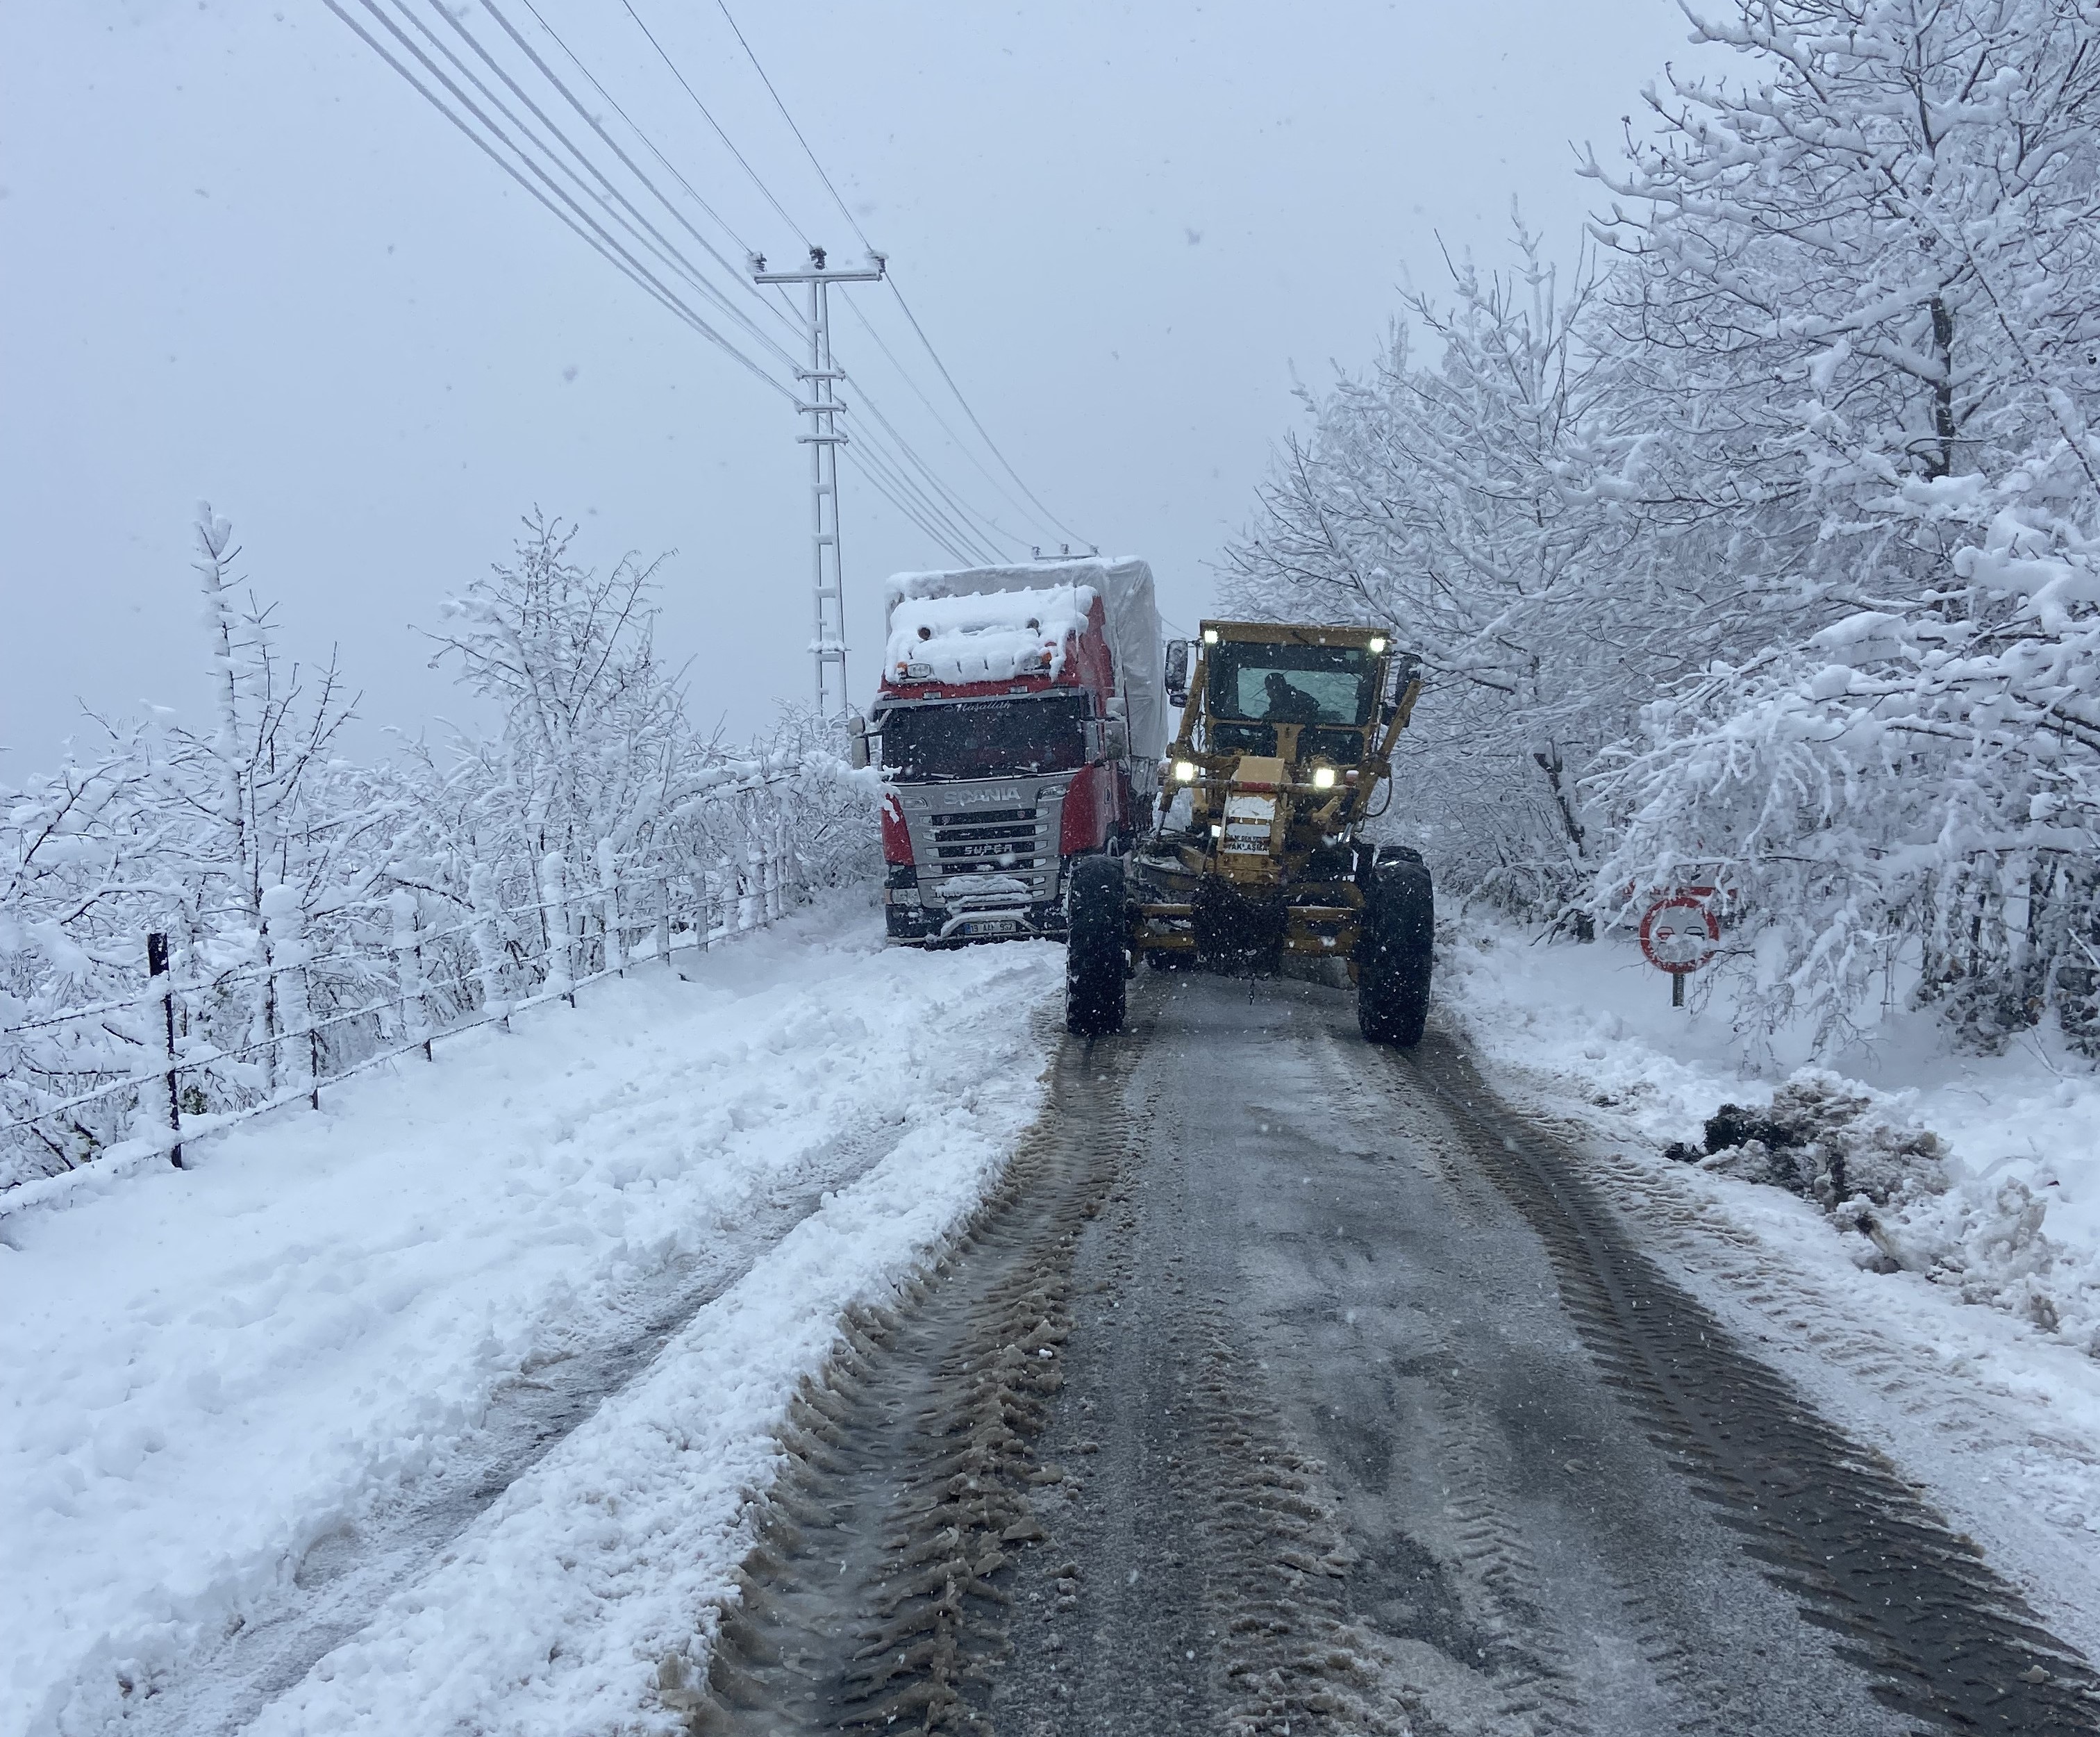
x,y
1996,1415
310,1434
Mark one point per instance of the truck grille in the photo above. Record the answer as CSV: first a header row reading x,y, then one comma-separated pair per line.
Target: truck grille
x,y
1002,841
984,817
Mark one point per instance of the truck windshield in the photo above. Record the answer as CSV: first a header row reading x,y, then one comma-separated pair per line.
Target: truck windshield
x,y
1275,683
985,738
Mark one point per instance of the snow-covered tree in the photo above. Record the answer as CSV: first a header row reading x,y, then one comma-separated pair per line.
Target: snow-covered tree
x,y
1768,554
1862,279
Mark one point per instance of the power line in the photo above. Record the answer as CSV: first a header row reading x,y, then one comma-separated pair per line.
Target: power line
x,y
845,211
756,181
881,474
955,440
791,127
598,127
613,103
587,231
973,415
962,507
937,504
887,460
655,241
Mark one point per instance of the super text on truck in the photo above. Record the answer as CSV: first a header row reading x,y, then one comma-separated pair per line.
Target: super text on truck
x,y
1019,725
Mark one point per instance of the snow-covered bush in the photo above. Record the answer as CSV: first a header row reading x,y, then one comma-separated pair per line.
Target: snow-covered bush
x,y
318,912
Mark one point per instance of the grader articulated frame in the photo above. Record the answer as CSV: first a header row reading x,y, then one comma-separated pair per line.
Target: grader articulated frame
x,y
1284,750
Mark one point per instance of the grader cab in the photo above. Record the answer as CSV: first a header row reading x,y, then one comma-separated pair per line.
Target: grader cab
x,y
1283,751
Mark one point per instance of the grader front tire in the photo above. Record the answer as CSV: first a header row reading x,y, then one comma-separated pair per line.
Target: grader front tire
x,y
1393,963
1094,949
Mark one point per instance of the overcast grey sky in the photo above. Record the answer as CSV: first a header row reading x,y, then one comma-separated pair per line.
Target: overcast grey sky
x,y
240,260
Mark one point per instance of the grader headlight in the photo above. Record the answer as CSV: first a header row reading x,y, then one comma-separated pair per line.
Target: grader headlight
x,y
1323,777
1378,645
1184,771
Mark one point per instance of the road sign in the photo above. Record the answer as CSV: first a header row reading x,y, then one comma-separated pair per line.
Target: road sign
x,y
1679,933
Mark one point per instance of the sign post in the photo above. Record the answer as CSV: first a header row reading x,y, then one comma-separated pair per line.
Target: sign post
x,y
1679,933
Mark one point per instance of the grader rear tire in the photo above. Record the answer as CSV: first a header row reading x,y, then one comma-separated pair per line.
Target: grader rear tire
x,y
1394,960
1094,949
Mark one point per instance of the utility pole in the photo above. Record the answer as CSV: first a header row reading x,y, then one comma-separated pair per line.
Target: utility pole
x,y
824,439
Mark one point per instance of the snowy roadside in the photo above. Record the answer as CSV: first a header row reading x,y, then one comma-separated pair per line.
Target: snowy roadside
x,y
208,1374
1995,1415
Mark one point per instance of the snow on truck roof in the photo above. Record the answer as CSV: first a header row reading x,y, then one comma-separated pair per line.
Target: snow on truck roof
x,y
1123,584
987,636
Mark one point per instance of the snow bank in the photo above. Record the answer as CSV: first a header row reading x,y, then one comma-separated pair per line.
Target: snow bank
x,y
2017,1135
987,636
207,1372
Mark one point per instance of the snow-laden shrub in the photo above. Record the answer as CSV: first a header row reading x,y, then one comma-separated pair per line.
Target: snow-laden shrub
x,y
1862,279
318,911
1924,787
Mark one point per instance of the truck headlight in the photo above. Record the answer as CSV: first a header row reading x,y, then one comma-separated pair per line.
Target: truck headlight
x,y
1323,777
1184,771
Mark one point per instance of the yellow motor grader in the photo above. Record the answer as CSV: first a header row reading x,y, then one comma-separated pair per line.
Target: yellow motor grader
x,y
1285,749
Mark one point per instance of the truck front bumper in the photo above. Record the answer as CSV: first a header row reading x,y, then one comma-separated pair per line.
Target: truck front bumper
x,y
934,925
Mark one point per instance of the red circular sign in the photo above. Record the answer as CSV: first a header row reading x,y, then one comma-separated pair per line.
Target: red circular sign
x,y
1680,933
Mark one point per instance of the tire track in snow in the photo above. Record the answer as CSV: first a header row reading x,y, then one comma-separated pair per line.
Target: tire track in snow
x,y
1945,1638
336,1587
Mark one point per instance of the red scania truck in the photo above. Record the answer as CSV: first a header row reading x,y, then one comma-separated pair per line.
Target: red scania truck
x,y
1021,720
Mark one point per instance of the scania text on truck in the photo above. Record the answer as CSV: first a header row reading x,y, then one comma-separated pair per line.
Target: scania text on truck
x,y
1019,723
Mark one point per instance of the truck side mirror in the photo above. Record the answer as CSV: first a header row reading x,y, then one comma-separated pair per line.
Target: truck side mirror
x,y
857,734
1177,672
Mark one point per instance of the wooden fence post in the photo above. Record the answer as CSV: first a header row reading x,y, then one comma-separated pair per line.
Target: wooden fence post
x,y
163,990
608,891
484,895
285,931
408,970
561,978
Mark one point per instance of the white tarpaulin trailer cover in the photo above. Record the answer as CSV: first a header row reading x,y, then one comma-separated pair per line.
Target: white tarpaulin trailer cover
x,y
1125,587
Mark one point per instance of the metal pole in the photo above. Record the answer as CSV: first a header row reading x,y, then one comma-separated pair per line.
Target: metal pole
x,y
827,572
156,972
828,645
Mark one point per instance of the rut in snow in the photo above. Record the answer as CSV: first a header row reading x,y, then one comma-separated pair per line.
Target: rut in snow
x,y
1360,1414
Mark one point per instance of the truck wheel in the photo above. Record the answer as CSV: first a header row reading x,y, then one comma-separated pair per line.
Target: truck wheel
x,y
1094,949
1394,958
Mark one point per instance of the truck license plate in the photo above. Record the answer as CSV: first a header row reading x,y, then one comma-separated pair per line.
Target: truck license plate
x,y
992,926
